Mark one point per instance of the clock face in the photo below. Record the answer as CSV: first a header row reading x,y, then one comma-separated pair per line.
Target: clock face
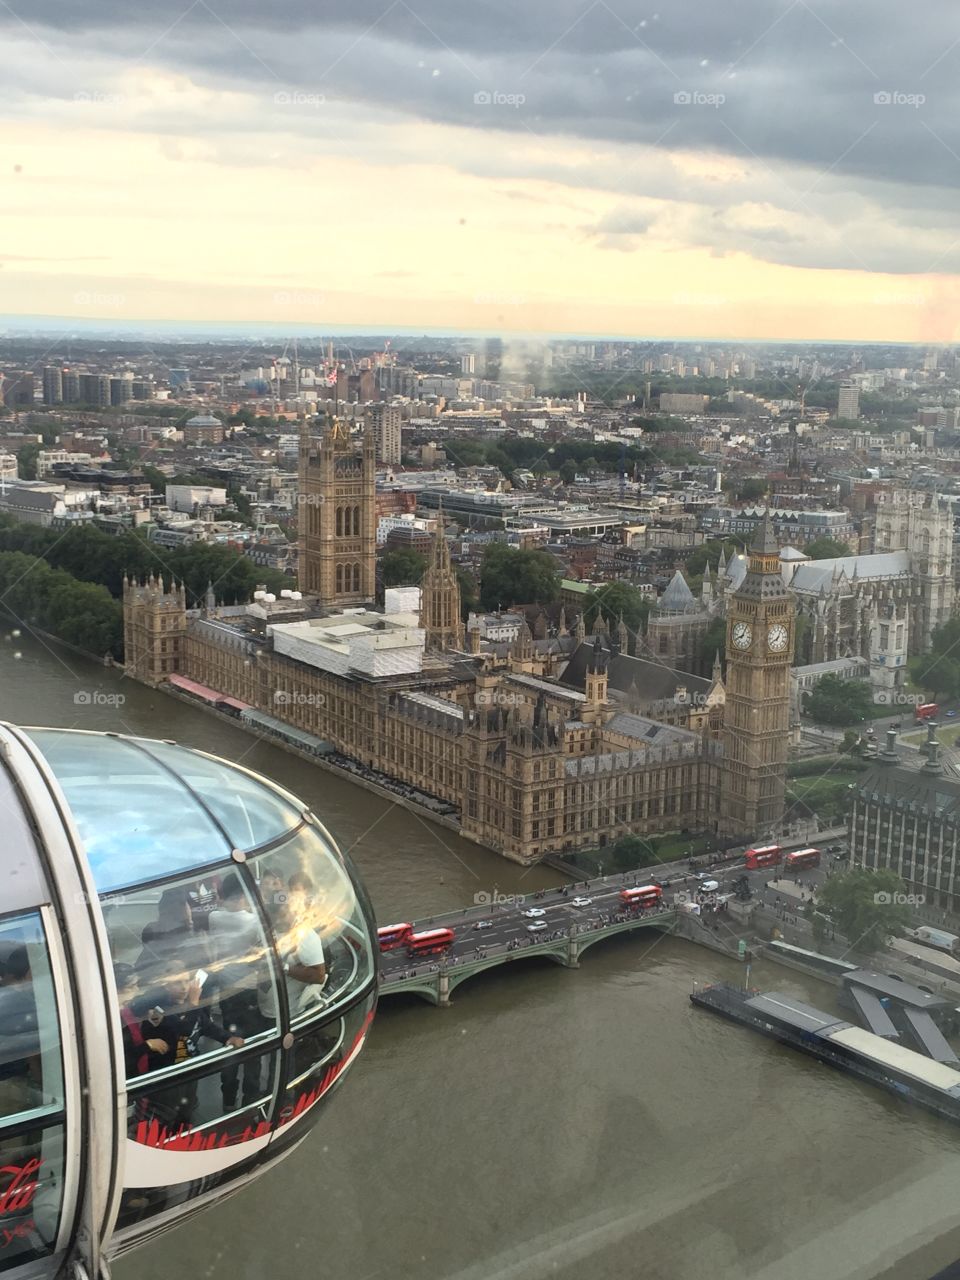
x,y
742,635
777,638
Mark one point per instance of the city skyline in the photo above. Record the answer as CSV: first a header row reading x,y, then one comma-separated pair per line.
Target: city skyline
x,y
582,169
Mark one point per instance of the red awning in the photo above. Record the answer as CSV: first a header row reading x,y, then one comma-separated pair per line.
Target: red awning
x,y
198,690
236,704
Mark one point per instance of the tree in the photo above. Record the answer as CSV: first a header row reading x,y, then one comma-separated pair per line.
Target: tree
x,y
402,567
826,549
568,472
715,638
27,461
865,907
708,553
509,577
615,601
938,672
840,702
752,489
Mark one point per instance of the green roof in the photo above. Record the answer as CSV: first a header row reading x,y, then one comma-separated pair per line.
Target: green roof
x,y
567,584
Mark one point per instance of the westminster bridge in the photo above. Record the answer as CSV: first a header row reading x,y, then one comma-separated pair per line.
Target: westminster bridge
x,y
496,932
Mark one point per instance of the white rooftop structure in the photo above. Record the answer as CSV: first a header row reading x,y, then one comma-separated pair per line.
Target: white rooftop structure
x,y
815,576
361,643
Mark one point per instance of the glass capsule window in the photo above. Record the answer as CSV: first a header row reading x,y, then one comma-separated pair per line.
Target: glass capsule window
x,y
321,935
31,1095
191,959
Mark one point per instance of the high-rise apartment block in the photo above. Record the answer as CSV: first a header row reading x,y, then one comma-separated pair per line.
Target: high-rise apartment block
x,y
848,401
384,421
53,384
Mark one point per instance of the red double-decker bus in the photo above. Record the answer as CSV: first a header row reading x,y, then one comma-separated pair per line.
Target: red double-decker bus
x,y
647,895
927,711
430,943
801,859
765,855
393,935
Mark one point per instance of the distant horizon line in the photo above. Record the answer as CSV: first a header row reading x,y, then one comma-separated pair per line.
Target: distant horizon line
x,y
26,325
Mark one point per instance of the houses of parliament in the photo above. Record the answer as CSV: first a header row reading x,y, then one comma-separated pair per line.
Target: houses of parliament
x,y
530,751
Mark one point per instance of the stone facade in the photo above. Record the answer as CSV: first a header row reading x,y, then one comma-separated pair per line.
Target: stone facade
x,y
337,515
884,606
760,640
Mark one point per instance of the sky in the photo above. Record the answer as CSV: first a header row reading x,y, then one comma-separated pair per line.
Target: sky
x,y
763,169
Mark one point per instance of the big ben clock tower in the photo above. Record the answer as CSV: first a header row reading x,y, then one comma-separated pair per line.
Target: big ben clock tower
x,y
760,632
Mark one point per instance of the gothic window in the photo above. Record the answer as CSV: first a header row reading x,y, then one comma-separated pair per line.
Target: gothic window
x,y
339,521
356,577
356,521
339,567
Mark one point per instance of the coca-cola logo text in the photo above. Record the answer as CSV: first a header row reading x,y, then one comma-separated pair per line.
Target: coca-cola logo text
x,y
22,1187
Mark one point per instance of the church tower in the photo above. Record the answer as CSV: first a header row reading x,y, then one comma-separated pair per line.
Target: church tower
x,y
154,629
440,597
337,518
761,620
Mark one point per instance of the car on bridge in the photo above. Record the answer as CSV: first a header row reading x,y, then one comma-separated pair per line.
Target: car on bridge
x,y
582,902
533,912
536,926
484,924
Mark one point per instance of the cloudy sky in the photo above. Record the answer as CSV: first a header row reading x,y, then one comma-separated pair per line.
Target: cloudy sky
x,y
753,168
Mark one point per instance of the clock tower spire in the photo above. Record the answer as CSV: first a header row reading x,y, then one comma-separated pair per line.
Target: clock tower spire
x,y
761,619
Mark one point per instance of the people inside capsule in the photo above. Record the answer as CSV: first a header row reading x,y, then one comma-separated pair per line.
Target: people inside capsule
x,y
20,1088
238,960
137,1047
298,944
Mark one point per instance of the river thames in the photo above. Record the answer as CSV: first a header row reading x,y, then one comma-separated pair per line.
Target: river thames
x,y
550,1123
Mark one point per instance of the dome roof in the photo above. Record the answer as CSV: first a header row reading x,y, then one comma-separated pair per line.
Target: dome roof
x,y
146,809
203,420
678,597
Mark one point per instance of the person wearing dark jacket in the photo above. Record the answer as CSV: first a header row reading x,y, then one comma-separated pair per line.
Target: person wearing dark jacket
x,y
137,1048
177,1018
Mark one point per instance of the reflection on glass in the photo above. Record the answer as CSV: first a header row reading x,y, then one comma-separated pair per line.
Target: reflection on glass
x,y
136,821
192,1115
320,931
152,1121
251,812
31,1074
188,978
31,1193
319,1057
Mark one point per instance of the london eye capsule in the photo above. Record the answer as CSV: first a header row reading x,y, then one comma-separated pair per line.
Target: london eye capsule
x,y
186,973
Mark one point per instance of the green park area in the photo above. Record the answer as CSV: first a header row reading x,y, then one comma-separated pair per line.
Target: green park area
x,y
822,786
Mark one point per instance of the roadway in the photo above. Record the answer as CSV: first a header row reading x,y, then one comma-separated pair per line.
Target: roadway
x,y
502,926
